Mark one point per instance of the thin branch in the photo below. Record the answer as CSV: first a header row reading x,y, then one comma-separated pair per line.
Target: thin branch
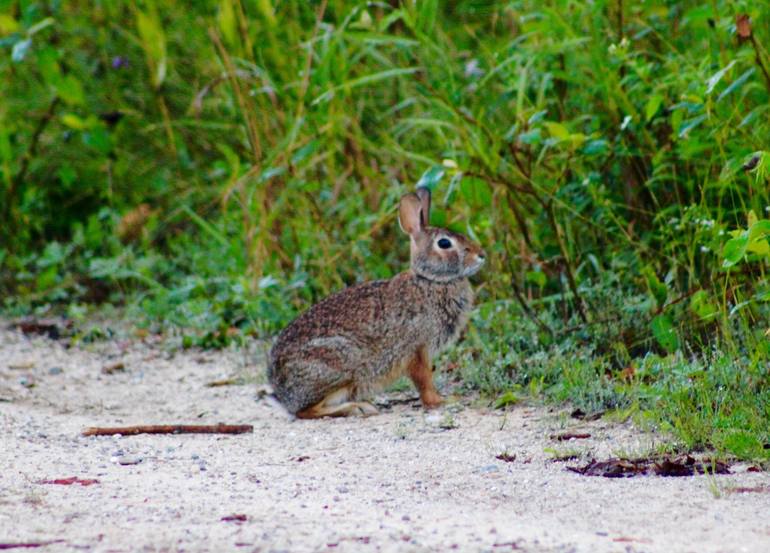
x,y
170,429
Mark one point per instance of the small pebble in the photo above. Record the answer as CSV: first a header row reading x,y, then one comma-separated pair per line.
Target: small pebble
x,y
130,460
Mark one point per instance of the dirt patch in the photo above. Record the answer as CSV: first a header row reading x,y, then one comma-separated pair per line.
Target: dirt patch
x,y
463,478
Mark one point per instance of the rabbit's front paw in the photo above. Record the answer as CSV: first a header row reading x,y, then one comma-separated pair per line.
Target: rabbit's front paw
x,y
431,400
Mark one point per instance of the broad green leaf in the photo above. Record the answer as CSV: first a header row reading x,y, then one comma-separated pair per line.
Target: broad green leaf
x,y
657,288
686,127
577,139
99,139
759,247
47,278
537,278
270,172
653,104
665,333
735,249
701,305
759,229
716,77
70,89
431,177
20,50
596,147
736,84
8,24
557,130
305,151
48,65
74,122
530,137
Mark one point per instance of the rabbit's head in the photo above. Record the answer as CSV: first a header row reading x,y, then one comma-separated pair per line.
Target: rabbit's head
x,y
436,254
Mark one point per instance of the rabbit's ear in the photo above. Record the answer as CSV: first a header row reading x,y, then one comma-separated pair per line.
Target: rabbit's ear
x,y
410,215
424,194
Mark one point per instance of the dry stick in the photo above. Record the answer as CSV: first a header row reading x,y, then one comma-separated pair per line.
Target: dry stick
x,y
170,429
28,544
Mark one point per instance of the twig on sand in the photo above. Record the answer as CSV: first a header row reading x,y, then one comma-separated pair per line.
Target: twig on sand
x,y
170,429
29,544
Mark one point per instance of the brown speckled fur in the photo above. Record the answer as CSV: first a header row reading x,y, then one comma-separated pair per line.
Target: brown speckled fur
x,y
364,337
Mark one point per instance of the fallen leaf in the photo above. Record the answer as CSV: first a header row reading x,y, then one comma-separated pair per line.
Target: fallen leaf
x,y
24,365
624,468
224,382
625,539
235,518
28,545
71,480
114,369
762,488
672,468
612,468
512,545
45,327
580,414
570,436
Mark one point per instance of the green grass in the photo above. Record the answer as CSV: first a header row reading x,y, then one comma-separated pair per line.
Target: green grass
x,y
715,399
218,166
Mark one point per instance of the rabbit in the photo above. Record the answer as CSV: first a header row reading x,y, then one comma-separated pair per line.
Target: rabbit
x,y
353,343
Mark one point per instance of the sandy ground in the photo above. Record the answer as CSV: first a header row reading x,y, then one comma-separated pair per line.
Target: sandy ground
x,y
400,481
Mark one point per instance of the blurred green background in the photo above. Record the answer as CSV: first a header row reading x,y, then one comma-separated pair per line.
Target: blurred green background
x,y
218,165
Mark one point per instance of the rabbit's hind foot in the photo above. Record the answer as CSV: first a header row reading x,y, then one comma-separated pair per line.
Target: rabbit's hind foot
x,y
336,404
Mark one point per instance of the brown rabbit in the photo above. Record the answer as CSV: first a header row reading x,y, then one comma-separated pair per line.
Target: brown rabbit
x,y
333,356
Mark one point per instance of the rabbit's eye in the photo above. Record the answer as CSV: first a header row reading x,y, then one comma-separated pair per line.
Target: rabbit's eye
x,y
444,243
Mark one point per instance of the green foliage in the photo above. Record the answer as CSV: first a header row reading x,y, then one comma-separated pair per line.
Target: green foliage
x,y
220,165
719,400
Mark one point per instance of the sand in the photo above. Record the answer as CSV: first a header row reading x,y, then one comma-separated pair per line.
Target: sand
x,y
404,480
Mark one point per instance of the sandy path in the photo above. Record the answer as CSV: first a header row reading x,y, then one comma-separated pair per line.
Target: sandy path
x,y
394,482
